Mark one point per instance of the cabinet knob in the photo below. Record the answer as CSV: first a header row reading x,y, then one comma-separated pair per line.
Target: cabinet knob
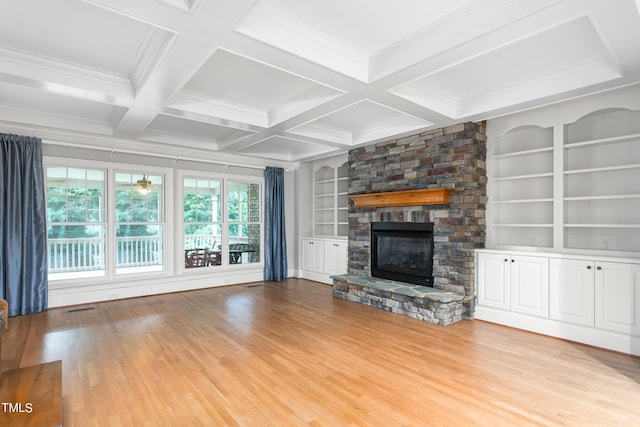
x,y
588,267
506,260
599,268
513,260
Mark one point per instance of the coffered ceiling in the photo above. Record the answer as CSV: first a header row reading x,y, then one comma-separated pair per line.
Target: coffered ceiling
x,y
271,81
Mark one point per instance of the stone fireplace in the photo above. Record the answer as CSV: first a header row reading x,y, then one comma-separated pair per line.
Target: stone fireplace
x,y
452,158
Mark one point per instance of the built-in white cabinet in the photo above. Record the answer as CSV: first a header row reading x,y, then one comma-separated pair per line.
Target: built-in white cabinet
x,y
330,201
516,283
312,255
322,258
596,293
335,257
591,300
617,296
572,291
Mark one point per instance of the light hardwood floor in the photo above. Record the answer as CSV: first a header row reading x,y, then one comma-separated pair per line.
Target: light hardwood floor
x,y
290,354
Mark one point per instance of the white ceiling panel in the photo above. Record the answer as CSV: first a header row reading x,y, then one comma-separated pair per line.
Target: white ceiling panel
x,y
74,32
236,85
284,149
279,81
196,129
44,101
361,122
549,61
365,26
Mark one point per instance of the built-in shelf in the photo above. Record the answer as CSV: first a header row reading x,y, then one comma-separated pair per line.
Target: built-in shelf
x,y
525,225
603,169
574,185
602,225
331,182
432,196
603,141
609,197
517,201
523,153
529,176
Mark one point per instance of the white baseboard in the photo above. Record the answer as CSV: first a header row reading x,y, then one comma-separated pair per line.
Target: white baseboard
x,y
583,334
61,296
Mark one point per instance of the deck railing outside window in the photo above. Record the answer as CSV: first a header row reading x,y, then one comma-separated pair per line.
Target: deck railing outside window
x,y
87,254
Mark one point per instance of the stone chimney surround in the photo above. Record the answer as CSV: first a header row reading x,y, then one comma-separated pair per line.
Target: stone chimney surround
x,y
451,158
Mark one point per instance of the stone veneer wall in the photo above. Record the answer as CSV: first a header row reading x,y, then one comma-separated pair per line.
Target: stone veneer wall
x,y
452,157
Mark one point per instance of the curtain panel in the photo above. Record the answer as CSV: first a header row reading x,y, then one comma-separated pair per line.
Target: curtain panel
x,y
23,228
275,242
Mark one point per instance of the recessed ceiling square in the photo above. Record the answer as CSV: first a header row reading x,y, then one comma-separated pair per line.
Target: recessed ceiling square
x,y
74,32
197,130
361,122
283,148
240,85
557,59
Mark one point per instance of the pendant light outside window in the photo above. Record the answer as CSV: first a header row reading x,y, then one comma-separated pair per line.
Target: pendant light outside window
x,y
144,185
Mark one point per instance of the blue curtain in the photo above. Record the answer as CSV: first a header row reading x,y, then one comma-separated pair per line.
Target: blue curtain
x,y
23,232
275,242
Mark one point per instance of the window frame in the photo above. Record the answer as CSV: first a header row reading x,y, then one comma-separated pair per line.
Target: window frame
x,y
110,169
224,244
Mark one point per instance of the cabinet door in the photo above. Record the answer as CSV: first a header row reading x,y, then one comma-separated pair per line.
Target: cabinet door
x,y
571,291
312,255
530,285
335,257
493,281
618,297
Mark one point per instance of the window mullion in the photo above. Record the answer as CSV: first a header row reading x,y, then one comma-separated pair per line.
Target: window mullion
x,y
111,224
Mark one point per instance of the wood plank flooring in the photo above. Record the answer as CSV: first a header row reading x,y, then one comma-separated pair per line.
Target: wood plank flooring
x,y
291,354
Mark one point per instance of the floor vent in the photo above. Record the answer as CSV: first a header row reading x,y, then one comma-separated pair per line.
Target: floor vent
x,y
254,286
73,310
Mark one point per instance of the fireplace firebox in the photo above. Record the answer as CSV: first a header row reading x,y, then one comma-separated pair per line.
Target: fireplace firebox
x,y
402,251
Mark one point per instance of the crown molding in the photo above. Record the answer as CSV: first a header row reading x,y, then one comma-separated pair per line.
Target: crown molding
x,y
64,78
302,102
322,132
268,26
217,108
466,24
51,120
154,47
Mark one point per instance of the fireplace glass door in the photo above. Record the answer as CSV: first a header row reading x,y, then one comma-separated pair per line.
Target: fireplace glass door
x,y
403,252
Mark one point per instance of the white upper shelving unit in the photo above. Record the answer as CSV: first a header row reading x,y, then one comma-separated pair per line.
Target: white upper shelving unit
x,y
330,202
567,178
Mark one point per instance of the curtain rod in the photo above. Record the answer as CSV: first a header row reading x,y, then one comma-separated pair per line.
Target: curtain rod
x,y
160,155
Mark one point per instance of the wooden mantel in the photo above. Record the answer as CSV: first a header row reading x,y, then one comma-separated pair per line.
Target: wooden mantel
x,y
431,196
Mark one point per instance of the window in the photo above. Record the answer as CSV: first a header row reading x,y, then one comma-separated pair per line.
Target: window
x,y
216,233
202,218
102,223
76,225
139,227
244,222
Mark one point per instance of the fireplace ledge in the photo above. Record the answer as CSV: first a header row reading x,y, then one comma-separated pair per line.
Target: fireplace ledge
x,y
430,196
401,288
420,302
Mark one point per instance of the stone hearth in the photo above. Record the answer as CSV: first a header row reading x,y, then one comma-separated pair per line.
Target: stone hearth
x,y
452,157
420,302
